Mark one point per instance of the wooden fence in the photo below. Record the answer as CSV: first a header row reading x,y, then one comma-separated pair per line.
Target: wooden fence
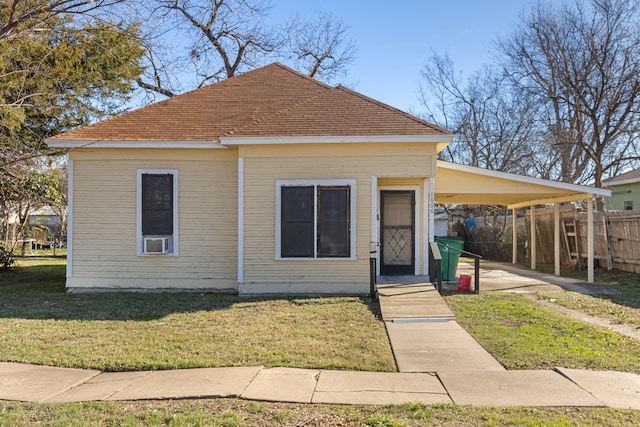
x,y
624,237
616,238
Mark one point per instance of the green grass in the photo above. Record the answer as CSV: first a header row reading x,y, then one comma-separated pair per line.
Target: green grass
x,y
626,284
40,253
41,324
595,306
521,334
617,308
232,412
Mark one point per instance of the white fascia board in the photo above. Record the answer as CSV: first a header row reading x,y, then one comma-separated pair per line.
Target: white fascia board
x,y
525,179
622,182
64,143
271,140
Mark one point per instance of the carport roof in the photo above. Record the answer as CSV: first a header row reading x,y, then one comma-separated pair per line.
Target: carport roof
x,y
456,183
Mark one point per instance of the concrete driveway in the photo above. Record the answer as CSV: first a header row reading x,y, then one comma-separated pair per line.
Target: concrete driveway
x,y
496,276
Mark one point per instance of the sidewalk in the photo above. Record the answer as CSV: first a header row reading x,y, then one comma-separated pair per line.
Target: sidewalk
x,y
438,363
560,387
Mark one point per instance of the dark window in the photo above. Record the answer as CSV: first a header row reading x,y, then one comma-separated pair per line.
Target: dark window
x,y
628,205
157,204
333,222
321,212
297,222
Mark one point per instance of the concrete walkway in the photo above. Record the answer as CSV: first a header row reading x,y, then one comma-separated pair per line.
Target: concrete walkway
x,y
559,387
423,332
438,362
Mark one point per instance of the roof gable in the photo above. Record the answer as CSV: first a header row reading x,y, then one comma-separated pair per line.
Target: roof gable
x,y
630,177
269,101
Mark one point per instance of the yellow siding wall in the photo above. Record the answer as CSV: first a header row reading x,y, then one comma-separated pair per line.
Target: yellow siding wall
x,y
399,182
104,217
263,165
104,220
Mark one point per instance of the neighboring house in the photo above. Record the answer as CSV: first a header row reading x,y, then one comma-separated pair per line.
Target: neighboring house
x,y
45,216
44,225
625,191
268,182
49,227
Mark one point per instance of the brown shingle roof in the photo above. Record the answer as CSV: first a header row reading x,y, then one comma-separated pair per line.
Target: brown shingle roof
x,y
270,101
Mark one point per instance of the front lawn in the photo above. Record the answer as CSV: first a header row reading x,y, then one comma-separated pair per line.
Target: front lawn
x,y
236,413
623,306
41,324
521,334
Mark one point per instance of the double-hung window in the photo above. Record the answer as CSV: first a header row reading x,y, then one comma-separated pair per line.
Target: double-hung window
x,y
315,219
157,212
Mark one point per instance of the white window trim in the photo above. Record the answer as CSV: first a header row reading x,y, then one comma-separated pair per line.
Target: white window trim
x,y
140,238
351,183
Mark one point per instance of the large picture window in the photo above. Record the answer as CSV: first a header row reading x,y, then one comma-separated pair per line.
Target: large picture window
x,y
315,220
157,212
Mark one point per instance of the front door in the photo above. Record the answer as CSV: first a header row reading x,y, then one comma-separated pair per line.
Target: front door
x,y
397,223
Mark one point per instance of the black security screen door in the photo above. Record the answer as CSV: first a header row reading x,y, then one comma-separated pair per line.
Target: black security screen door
x,y
398,232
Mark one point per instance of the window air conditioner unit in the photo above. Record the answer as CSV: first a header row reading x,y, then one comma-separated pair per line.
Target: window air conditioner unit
x,y
156,245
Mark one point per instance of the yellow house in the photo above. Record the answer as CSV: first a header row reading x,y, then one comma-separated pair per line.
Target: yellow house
x,y
268,182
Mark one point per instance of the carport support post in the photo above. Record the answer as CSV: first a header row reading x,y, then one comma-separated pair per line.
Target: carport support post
x,y
514,236
556,237
590,245
532,246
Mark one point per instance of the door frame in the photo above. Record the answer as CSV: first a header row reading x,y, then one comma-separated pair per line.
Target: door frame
x,y
417,222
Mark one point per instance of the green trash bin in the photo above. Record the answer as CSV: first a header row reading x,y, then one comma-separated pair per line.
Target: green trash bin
x,y
450,257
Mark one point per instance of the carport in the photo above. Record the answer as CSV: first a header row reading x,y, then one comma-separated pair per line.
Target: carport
x,y
459,184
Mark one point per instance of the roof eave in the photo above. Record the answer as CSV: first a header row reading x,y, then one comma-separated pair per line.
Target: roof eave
x,y
614,183
71,143
442,140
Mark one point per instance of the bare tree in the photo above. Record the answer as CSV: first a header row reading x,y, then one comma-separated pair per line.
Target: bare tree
x,y
224,37
191,43
320,48
579,64
492,126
